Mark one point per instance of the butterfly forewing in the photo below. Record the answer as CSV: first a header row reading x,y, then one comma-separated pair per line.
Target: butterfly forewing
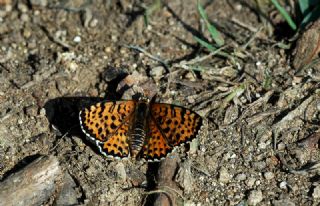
x,y
101,121
178,124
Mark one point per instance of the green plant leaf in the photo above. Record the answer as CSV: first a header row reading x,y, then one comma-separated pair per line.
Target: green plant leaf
x,y
285,14
304,6
205,44
150,9
212,48
311,16
267,82
215,34
236,92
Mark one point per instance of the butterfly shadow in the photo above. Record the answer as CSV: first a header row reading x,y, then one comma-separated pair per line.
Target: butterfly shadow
x,y
63,115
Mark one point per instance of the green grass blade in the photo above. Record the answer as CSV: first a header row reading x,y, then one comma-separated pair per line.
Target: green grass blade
x,y
267,82
215,34
150,9
205,44
212,48
311,16
304,5
236,92
285,14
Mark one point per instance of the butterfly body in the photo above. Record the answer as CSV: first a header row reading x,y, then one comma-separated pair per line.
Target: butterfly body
x,y
137,132
138,129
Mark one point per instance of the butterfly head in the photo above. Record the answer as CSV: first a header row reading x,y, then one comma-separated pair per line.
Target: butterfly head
x,y
144,99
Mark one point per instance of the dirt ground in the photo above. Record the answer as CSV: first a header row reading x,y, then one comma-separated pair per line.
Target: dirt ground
x,y
260,143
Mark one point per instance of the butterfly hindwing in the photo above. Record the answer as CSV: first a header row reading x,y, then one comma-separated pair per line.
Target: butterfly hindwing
x,y
100,121
108,124
156,146
117,144
178,124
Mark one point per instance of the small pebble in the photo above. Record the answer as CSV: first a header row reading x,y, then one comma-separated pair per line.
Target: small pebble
x,y
157,72
316,192
22,7
238,7
20,121
190,76
39,2
255,197
93,23
2,15
121,171
24,17
31,111
281,146
233,156
184,47
194,145
72,66
26,33
259,165
262,145
241,177
283,185
268,175
77,39
224,175
258,182
114,38
107,49
191,99
42,111
250,182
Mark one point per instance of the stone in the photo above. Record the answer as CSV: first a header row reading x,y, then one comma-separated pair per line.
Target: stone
x,y
255,197
241,177
250,181
121,172
316,192
268,175
157,72
224,175
283,185
39,2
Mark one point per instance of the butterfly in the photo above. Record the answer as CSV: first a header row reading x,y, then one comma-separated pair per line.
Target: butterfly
x,y
138,128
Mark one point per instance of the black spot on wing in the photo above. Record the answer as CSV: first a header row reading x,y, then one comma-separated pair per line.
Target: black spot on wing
x,y
113,126
100,130
166,130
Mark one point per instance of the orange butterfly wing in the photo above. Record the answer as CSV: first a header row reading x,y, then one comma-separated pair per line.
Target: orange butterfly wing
x,y
117,145
169,126
107,123
156,146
